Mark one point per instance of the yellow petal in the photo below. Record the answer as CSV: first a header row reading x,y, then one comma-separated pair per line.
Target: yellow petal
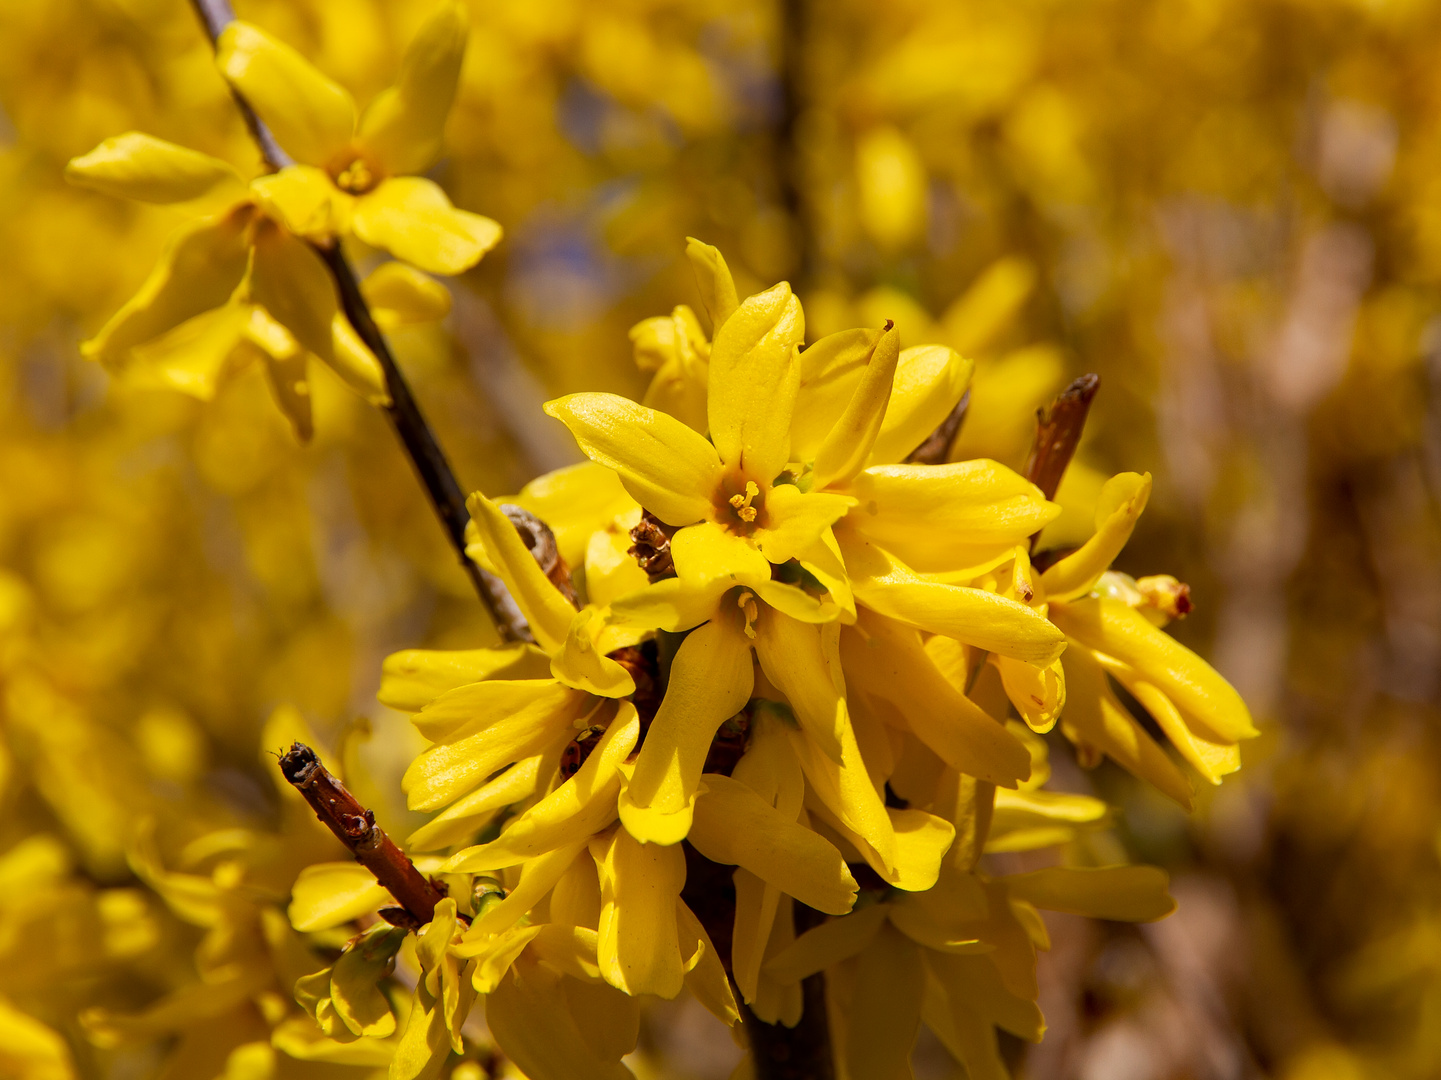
x,y
402,125
610,570
1124,893
831,370
669,469
847,792
464,710
713,277
1122,500
756,904
547,611
1038,693
411,217
705,974
753,378
710,681
922,840
201,266
445,772
826,945
492,964
289,280
973,987
306,201
885,1011
1116,629
1029,820
973,616
735,826
1093,716
670,604
461,820
709,558
353,361
886,660
330,894
795,520
400,295
581,806
675,348
312,117
849,442
413,678
537,877
943,918
195,357
1212,758
795,661
638,945
579,665
929,381
424,1044
353,983
574,501
942,517
290,389
533,1026
138,166
608,1018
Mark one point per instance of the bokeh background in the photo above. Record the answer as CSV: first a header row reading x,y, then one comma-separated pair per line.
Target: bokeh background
x,y
1230,209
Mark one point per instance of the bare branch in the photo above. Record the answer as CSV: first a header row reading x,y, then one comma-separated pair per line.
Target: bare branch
x,y
938,443
355,827
1058,432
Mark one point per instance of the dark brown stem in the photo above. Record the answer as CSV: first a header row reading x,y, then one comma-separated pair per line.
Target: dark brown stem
x,y
1058,432
426,455
938,443
355,827
217,15
421,445
803,1052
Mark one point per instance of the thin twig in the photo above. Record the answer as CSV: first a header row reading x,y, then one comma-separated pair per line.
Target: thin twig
x,y
355,827
421,445
1058,432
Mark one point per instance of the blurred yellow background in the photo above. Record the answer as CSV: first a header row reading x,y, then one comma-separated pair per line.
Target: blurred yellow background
x,y
1229,210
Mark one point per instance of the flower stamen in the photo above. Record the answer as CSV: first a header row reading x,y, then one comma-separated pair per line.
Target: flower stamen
x,y
746,601
742,503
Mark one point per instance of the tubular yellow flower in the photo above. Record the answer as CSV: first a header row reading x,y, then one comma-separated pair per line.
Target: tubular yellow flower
x,y
1109,634
349,177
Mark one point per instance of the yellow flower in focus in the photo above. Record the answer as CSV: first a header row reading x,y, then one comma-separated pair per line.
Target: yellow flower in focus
x,y
350,176
1113,628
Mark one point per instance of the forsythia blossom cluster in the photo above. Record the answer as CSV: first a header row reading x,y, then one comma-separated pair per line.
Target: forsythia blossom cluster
x,y
790,652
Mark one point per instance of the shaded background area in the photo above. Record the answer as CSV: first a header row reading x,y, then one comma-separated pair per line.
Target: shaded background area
x,y
1230,210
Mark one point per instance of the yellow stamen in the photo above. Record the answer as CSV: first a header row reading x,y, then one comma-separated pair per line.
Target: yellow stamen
x,y
356,178
742,503
746,601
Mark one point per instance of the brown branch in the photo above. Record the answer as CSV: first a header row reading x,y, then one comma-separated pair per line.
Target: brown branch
x,y
1058,432
355,827
803,1052
938,443
424,450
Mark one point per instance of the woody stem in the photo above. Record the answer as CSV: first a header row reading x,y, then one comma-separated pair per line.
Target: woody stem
x,y
355,827
1058,433
409,423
